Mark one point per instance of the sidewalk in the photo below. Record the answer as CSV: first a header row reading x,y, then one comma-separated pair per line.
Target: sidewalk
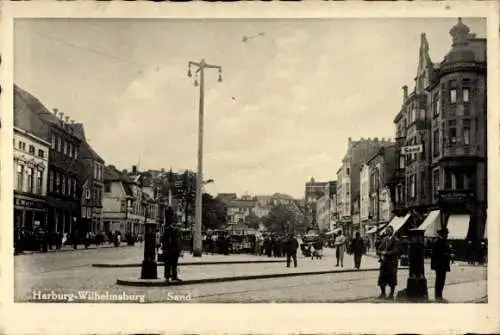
x,y
221,273
67,248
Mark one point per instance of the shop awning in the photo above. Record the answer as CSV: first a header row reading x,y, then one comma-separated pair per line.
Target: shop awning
x,y
374,229
431,224
397,223
335,231
458,226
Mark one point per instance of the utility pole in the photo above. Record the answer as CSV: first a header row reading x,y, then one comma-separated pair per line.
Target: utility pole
x,y
200,67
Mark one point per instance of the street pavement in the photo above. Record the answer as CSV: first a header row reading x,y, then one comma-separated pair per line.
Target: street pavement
x,y
72,273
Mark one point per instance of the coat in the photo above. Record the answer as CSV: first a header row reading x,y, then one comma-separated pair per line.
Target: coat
x,y
358,246
291,245
172,241
389,250
440,258
340,244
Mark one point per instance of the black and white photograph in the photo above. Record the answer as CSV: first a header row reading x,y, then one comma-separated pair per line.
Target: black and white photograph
x,y
251,160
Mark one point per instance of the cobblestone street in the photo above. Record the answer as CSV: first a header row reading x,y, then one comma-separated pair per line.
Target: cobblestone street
x,y
71,273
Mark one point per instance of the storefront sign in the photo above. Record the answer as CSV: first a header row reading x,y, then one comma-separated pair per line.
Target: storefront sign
x,y
30,204
412,149
455,196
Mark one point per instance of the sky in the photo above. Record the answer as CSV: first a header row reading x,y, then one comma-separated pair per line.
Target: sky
x,y
290,97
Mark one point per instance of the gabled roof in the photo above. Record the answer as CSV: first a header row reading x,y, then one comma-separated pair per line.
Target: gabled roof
x,y
86,150
26,116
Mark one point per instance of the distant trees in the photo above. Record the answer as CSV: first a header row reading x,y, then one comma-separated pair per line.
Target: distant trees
x,y
253,221
280,219
214,212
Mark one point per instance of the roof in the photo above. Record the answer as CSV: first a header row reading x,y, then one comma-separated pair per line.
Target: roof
x,y
241,203
86,150
111,173
26,116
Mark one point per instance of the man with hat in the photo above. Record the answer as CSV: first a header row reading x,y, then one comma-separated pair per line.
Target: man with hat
x,y
388,252
440,262
172,246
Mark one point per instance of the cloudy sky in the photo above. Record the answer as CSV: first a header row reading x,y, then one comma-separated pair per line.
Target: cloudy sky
x,y
288,102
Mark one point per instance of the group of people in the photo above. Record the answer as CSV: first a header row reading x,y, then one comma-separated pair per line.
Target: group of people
x,y
274,245
389,250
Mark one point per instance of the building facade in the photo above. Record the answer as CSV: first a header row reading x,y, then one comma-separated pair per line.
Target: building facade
x,y
444,122
91,175
63,198
31,154
364,192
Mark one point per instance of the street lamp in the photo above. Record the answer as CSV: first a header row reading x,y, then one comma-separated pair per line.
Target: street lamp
x,y
200,67
149,267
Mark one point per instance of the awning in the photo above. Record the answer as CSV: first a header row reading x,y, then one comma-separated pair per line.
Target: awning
x,y
334,231
396,223
431,224
374,229
458,226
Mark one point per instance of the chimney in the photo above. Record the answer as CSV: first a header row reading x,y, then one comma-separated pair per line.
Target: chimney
x,y
134,169
54,110
67,119
376,139
405,93
72,121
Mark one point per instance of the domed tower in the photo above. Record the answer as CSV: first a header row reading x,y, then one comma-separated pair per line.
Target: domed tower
x,y
460,51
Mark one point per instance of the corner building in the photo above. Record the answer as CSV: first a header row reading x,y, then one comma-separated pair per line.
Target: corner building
x,y
444,184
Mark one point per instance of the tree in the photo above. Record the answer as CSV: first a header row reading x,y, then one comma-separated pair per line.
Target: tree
x,y
280,219
214,212
253,221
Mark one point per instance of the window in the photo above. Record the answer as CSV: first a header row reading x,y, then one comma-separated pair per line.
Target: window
x,y
435,143
53,141
30,180
58,183
466,132
22,145
63,182
32,150
70,149
436,104
452,132
75,155
20,177
69,183
466,94
51,181
453,91
347,171
422,184
401,161
448,180
39,181
41,153
435,181
107,188
65,148
74,186
59,144
453,181
412,186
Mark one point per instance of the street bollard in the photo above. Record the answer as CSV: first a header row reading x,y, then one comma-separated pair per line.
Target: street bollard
x,y
149,266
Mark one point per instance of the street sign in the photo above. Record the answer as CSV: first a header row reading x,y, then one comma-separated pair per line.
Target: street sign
x,y
412,149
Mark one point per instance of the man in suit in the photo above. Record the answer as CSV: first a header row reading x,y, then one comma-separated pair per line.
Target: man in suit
x,y
440,262
291,247
388,252
172,247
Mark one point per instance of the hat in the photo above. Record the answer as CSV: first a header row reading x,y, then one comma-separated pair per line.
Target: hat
x,y
443,231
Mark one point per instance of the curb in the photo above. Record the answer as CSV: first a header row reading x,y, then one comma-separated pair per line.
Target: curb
x,y
135,265
162,283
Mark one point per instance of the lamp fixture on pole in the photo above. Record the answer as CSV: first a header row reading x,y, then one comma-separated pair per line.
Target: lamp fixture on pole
x,y
200,68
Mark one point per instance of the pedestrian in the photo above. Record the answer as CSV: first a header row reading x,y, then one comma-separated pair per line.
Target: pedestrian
x,y
358,249
440,262
388,253
172,248
340,246
291,246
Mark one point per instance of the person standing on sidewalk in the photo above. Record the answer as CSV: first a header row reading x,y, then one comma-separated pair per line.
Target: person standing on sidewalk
x,y
340,242
440,262
291,246
358,249
388,253
172,248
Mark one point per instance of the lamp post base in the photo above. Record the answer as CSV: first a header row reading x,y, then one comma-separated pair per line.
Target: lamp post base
x,y
149,270
416,289
197,253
